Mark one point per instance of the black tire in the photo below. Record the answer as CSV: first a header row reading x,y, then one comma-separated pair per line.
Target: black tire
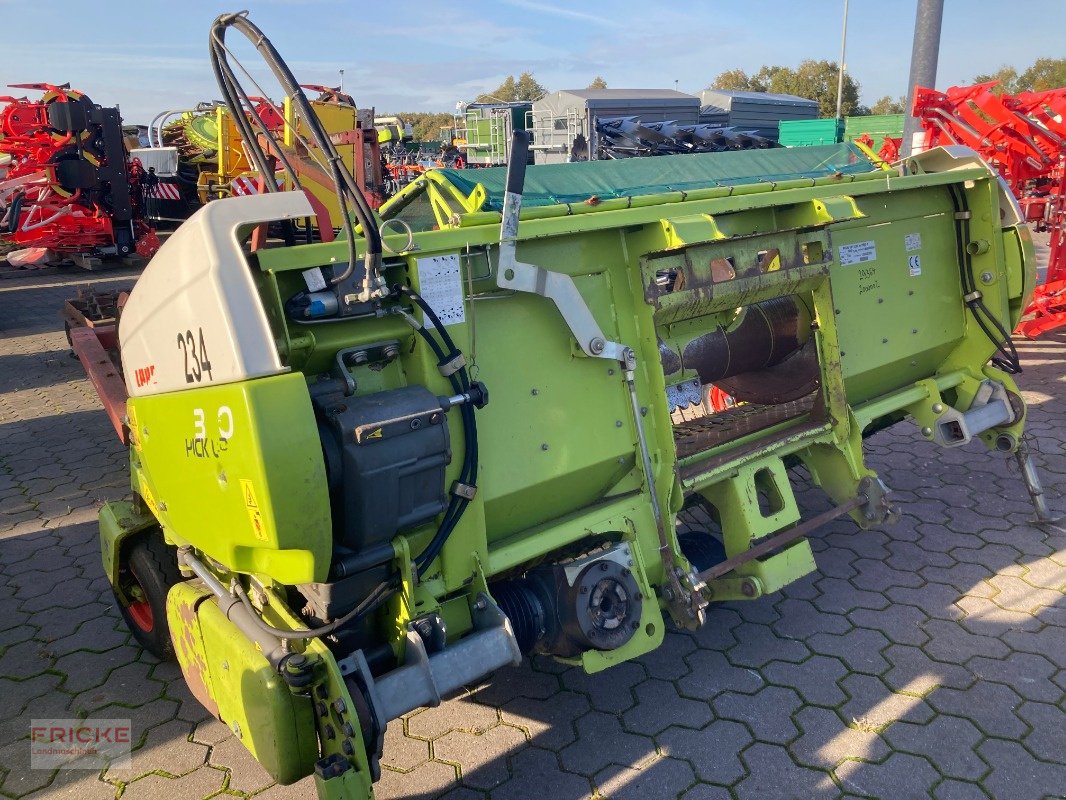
x,y
148,569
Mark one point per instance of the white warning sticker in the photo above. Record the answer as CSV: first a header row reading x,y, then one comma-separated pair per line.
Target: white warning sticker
x,y
857,253
914,264
912,241
441,285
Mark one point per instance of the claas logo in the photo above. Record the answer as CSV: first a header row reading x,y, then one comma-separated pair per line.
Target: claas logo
x,y
144,375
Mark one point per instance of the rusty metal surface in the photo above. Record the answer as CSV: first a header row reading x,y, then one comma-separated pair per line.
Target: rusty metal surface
x,y
105,376
703,433
792,378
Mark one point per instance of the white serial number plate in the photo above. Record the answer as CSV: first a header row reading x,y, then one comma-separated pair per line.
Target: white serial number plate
x,y
858,253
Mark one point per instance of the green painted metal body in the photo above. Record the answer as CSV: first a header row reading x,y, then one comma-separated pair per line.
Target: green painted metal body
x,y
559,454
878,126
808,132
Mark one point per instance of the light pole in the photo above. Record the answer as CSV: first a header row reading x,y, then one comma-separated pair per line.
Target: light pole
x,y
341,87
924,55
840,71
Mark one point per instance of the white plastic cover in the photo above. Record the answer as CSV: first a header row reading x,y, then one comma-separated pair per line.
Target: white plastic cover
x,y
195,317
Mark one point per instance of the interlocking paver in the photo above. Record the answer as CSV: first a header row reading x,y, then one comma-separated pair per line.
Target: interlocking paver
x,y
990,706
949,743
900,775
550,722
536,773
601,742
401,751
1028,674
610,691
713,752
872,704
200,783
826,741
245,773
767,713
816,679
482,758
662,777
1017,775
659,705
883,671
1047,737
959,790
772,771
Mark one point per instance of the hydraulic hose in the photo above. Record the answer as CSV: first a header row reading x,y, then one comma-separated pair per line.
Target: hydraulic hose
x,y
1008,359
348,192
460,381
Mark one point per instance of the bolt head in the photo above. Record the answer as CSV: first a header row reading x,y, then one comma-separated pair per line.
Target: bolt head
x,y
937,408
747,588
987,277
597,345
927,431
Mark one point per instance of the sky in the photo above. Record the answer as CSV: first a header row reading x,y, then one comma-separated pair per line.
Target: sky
x,y
421,55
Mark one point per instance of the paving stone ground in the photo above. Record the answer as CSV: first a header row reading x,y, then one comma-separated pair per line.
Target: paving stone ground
x,y
925,660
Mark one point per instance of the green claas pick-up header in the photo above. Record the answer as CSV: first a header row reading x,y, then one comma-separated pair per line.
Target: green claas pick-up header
x,y
368,472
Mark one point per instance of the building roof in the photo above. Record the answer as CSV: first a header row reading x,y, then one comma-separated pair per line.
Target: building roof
x,y
627,94
755,97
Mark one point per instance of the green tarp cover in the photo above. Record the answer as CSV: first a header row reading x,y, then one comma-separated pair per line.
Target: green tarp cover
x,y
550,184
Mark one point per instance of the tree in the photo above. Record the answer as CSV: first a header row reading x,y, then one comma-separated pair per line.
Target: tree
x,y
525,87
1044,74
1007,77
426,126
886,105
598,83
733,80
816,80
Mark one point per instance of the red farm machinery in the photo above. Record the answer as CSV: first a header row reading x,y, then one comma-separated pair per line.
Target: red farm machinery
x,y
69,186
1023,137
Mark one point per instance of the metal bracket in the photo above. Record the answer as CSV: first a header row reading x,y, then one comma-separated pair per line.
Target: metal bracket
x,y
559,288
991,407
424,679
684,394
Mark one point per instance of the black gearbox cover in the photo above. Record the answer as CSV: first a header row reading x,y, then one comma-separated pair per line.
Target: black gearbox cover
x,y
385,459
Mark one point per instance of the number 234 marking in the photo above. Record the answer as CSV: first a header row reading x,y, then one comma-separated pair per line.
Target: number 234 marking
x,y
194,347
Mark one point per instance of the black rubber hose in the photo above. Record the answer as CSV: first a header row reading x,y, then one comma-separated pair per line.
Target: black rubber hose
x,y
293,89
344,184
468,472
1008,360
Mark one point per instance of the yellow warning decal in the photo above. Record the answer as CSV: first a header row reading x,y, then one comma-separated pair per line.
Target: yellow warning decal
x,y
255,516
149,500
251,505
375,435
248,491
